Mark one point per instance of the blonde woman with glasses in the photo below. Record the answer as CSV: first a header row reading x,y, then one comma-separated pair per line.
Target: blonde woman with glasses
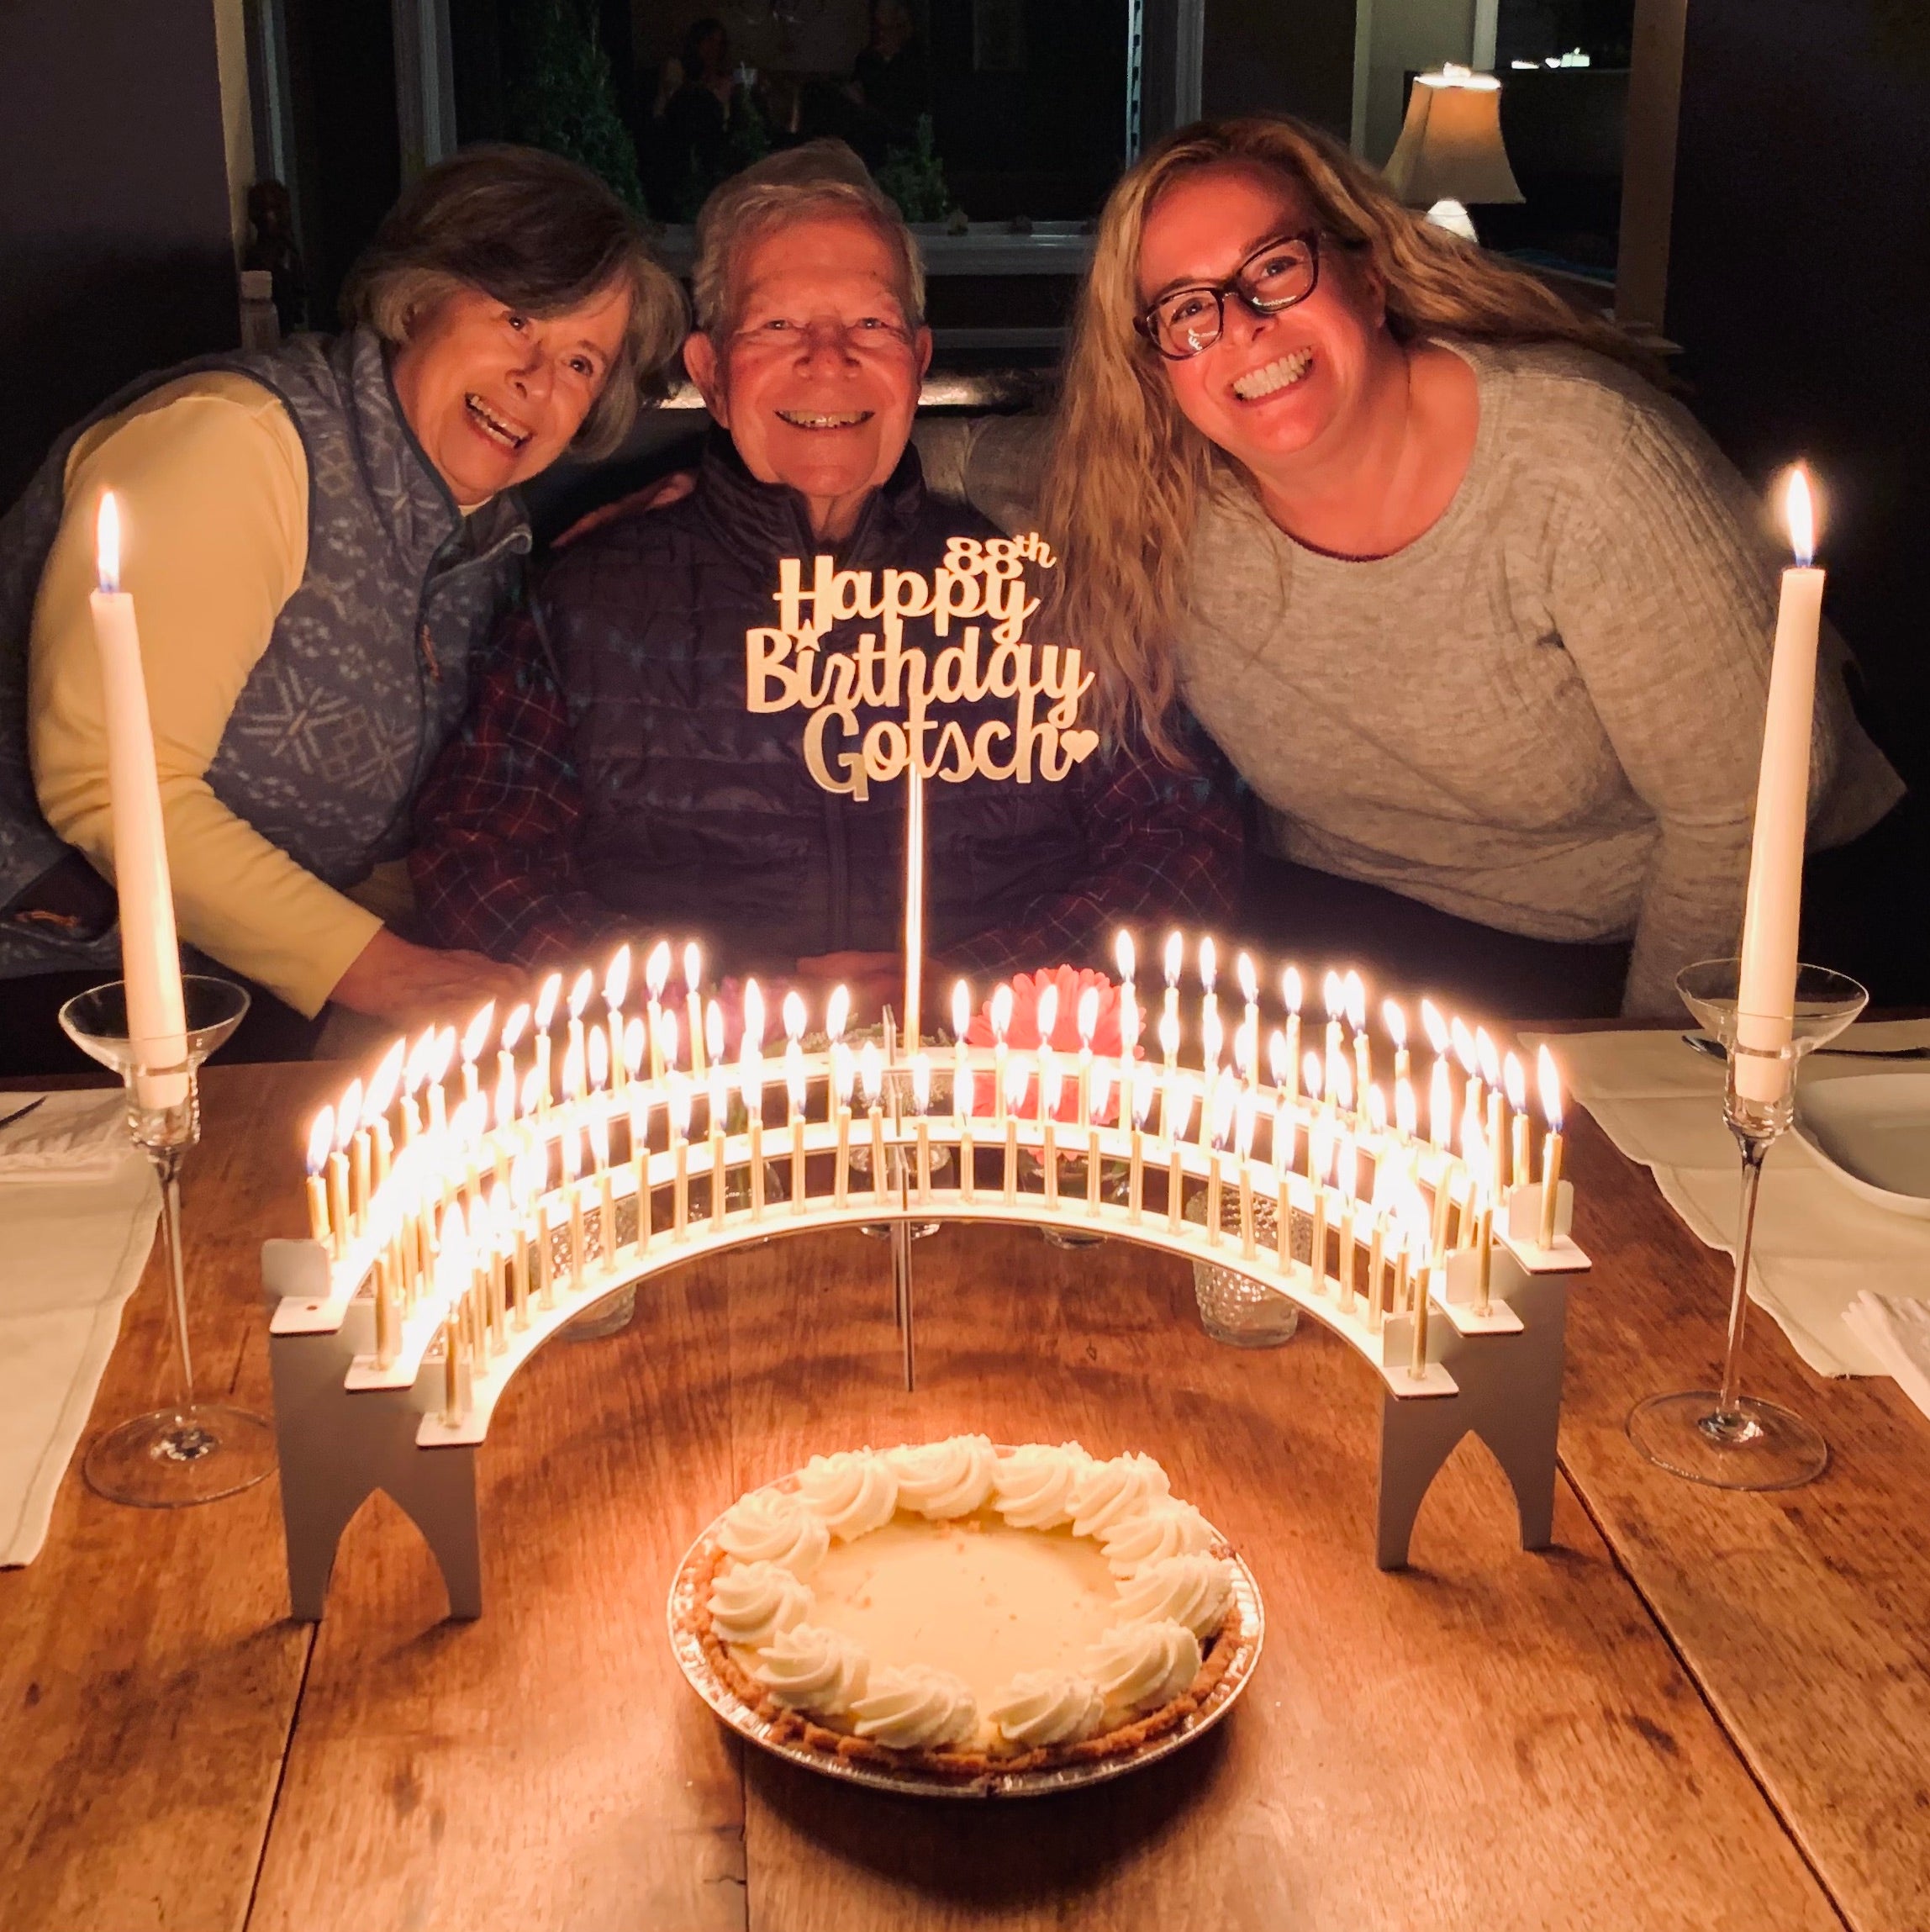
x,y
1483,618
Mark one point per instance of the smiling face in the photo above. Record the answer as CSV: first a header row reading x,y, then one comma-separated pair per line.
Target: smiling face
x,y
494,395
817,380
1274,389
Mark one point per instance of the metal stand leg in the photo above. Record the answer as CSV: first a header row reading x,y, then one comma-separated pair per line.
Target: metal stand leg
x,y
1509,1395
339,1446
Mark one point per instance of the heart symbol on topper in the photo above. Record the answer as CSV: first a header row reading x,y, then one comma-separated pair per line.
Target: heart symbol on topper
x,y
1079,745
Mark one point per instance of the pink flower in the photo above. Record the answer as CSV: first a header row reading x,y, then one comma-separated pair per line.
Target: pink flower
x,y
1022,1035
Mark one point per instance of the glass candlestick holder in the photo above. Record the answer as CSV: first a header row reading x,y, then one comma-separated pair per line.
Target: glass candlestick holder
x,y
190,1451
1722,1437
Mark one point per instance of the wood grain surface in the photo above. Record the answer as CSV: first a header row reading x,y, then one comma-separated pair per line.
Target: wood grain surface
x,y
1700,1711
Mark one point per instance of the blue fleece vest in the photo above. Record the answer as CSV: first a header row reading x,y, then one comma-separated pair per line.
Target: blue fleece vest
x,y
366,670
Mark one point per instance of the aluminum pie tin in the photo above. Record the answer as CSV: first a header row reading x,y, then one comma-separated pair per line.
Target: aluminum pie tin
x,y
750,1724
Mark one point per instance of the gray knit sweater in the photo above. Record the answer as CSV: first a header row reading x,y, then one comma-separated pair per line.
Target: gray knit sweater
x,y
1545,714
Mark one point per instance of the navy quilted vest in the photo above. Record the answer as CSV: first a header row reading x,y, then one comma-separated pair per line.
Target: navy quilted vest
x,y
366,670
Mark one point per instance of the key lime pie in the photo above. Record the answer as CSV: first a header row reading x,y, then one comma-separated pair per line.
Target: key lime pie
x,y
955,1608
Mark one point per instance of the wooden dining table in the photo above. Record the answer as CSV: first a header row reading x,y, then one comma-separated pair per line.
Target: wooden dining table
x,y
1700,1710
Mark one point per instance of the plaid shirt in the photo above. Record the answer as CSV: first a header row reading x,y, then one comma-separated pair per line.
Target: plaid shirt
x,y
495,868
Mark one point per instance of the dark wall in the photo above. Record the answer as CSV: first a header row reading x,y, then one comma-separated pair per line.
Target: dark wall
x,y
1800,288
1280,56
115,254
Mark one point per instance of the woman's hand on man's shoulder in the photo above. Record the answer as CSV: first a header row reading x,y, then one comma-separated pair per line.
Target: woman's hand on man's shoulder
x,y
409,985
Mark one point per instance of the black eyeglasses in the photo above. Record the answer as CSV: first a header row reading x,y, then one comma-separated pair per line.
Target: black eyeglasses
x,y
1185,321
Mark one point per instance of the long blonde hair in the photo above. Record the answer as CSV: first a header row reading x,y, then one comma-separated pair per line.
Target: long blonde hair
x,y
1128,474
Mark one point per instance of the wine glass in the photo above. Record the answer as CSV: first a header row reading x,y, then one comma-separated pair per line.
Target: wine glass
x,y
191,1451
1722,1438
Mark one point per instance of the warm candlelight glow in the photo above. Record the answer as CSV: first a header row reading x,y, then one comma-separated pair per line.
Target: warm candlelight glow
x,y
321,1140
795,1017
1175,954
1548,1081
1393,1017
921,1083
348,1114
961,1010
1405,1108
1123,955
108,544
1047,1013
1333,995
598,1060
1279,1058
616,979
1290,990
714,1030
692,967
1001,1015
513,1027
1248,978
1100,1090
1464,1047
1087,1015
635,1046
382,1088
1310,1075
1145,1085
1355,988
476,1037
657,969
1209,964
1799,516
532,1092
1434,1027
1168,1036
870,1072
753,1015
1487,1058
837,1013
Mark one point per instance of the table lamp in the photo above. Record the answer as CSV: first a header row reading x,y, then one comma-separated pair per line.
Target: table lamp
x,y
1450,152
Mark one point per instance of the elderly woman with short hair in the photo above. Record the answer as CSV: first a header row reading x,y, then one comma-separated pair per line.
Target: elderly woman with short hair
x,y
612,782
316,537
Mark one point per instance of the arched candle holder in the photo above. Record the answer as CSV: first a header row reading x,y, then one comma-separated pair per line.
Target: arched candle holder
x,y
436,1269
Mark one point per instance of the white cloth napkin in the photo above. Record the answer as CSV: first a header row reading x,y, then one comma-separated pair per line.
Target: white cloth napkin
x,y
78,1206
1817,1244
1897,1333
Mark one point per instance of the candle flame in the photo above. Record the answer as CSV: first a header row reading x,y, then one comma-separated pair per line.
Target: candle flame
x,y
1169,1034
1393,1017
796,1082
871,1071
1052,1081
679,1106
1799,514
1087,1015
1320,1153
1124,956
657,969
1129,1020
1465,1050
753,1017
1290,990
573,1069
1434,1027
1145,1085
599,1060
692,967
514,1025
666,1033
633,1046
1356,990
348,1114
1047,1013
1209,963
1248,978
382,1088
1212,1036
837,1011
1220,1120
444,1055
1333,994
1277,1060
546,996
714,1030
1549,1081
844,1071
794,1014
1517,1081
108,544
532,1094
921,1082
1310,1074
1175,952
476,1035
1246,1049
417,1069
580,993
1181,1095
1342,1082
1016,1078
1377,1110
1098,1088
454,1233
321,1139
1486,1057
961,1010
616,980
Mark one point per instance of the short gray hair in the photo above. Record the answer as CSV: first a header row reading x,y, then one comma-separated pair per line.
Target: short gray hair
x,y
822,178
539,234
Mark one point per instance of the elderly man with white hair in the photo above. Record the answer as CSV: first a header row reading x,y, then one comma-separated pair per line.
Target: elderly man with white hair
x,y
611,781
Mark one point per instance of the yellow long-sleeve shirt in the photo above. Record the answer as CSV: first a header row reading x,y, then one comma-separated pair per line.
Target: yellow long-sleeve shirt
x,y
213,487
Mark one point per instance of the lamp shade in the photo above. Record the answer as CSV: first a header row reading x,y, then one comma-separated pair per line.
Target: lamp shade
x,y
1450,146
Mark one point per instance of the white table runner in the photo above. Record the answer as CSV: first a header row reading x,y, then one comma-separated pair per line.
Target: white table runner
x,y
1817,1245
78,1206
